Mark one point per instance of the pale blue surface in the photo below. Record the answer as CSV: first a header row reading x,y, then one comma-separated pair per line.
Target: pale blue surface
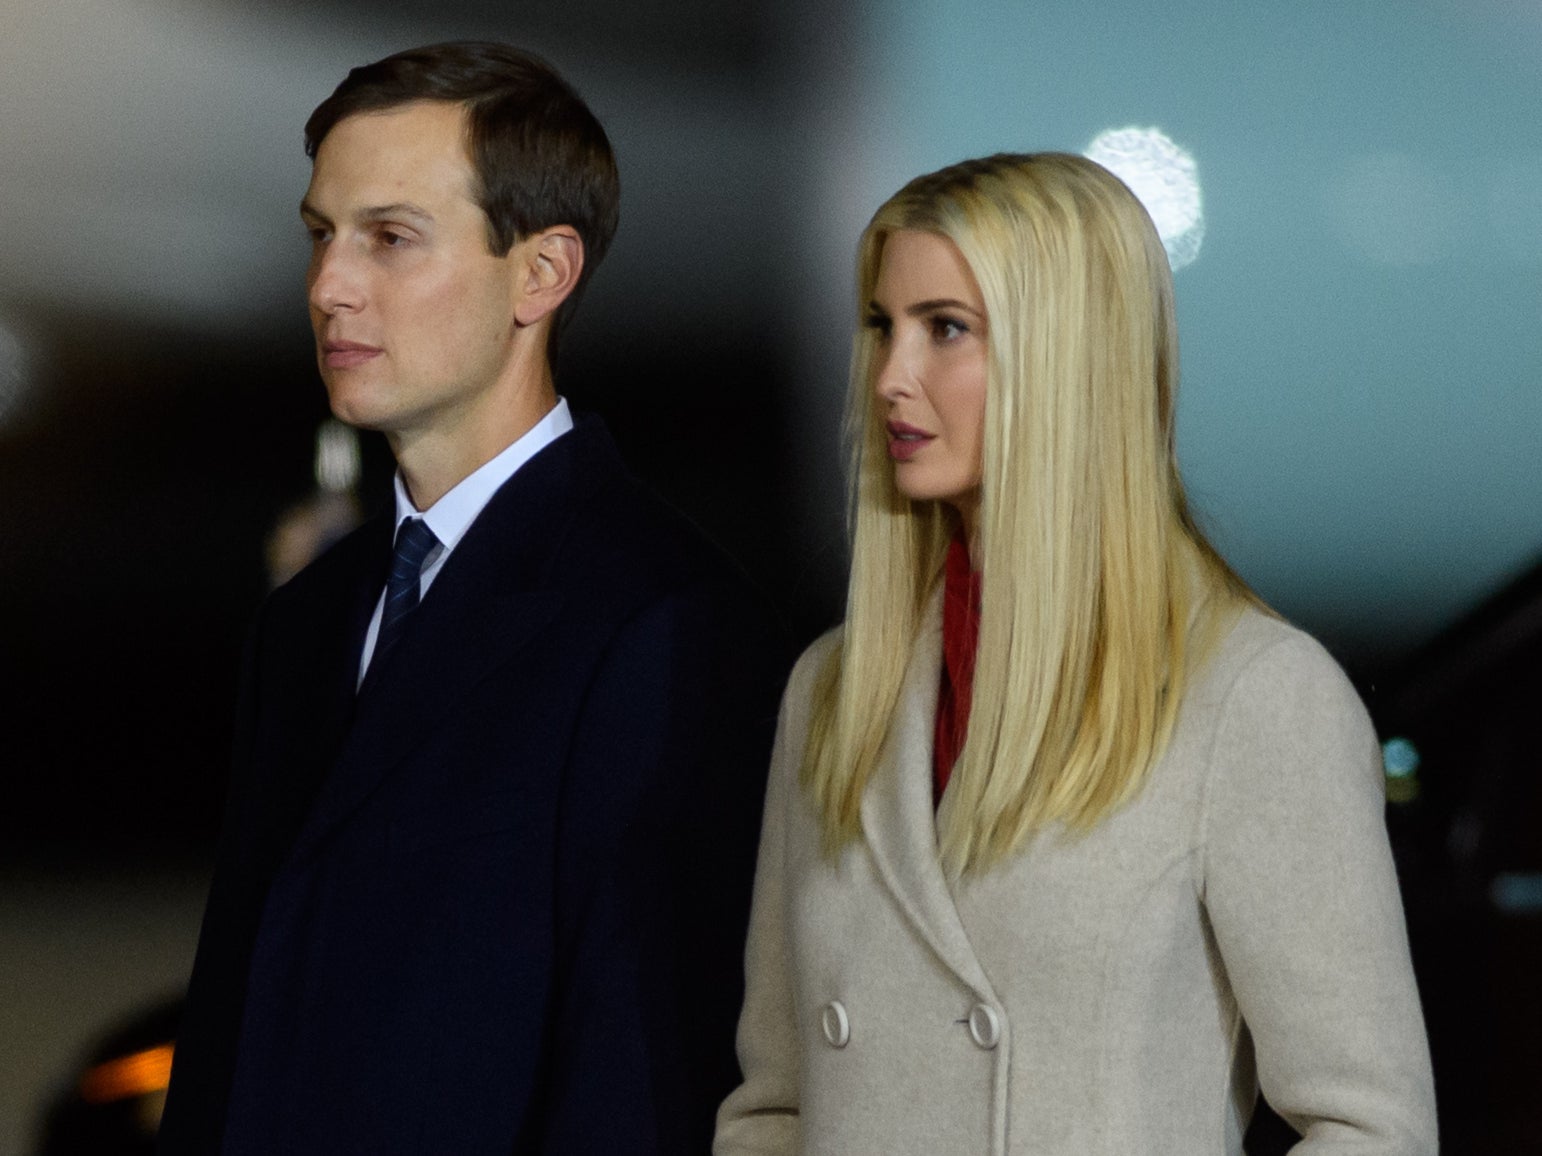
x,y
1362,332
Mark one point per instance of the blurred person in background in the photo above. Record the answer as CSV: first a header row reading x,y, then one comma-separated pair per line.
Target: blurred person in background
x,y
326,515
1070,843
486,863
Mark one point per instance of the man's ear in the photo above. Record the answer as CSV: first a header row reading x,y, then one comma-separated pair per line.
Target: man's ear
x,y
549,264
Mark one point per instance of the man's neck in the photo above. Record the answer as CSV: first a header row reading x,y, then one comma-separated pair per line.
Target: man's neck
x,y
434,460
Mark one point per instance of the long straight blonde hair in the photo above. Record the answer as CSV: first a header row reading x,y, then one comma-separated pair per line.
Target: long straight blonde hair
x,y
1098,590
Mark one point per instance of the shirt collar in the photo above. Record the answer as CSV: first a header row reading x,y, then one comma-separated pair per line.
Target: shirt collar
x,y
451,516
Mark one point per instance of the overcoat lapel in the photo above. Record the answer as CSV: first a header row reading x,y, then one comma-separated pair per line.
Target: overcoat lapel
x,y
491,598
898,819
308,641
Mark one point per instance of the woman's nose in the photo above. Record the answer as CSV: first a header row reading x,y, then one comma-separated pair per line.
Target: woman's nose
x,y
893,379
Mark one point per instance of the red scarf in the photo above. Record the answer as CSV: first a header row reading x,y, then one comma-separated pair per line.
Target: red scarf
x,y
960,635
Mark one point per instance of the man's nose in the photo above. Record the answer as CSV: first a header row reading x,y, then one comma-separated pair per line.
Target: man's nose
x,y
334,284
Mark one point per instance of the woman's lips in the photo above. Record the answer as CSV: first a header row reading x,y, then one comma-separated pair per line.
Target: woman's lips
x,y
347,354
905,441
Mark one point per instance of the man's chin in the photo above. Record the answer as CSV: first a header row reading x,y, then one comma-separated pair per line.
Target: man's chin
x,y
360,412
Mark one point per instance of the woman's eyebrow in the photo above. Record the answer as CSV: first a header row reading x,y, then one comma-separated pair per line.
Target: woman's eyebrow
x,y
934,303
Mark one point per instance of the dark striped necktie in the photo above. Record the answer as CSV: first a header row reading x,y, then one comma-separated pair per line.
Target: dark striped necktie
x,y
414,540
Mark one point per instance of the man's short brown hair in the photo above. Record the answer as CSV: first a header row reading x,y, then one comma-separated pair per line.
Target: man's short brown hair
x,y
539,155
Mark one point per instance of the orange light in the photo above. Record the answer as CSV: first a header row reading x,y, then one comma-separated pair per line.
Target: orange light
x,y
137,1074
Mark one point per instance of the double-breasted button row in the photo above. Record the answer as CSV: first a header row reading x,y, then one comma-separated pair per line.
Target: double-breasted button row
x,y
984,1025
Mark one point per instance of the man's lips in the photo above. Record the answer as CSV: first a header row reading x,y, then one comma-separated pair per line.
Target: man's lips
x,y
347,354
905,441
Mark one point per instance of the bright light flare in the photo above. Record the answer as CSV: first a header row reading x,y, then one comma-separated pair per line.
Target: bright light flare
x,y
1400,758
337,457
1166,180
139,1074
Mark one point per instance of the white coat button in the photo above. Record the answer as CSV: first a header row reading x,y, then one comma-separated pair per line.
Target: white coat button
x,y
836,1024
984,1026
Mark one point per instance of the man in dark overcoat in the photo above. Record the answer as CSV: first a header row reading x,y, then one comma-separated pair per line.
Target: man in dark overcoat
x,y
499,757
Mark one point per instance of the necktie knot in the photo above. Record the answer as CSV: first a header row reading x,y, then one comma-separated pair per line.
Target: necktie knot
x,y
413,542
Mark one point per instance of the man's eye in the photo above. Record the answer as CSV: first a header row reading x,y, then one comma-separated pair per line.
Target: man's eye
x,y
391,240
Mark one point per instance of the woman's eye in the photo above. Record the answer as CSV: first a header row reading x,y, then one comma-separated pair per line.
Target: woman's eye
x,y
946,328
879,324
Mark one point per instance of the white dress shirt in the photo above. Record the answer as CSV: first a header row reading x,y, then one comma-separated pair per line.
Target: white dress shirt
x,y
451,516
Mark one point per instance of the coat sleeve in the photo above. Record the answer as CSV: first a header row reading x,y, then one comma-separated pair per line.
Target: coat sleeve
x,y
761,1116
1299,886
659,807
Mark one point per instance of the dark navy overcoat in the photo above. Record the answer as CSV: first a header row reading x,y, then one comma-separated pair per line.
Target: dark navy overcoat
x,y
493,901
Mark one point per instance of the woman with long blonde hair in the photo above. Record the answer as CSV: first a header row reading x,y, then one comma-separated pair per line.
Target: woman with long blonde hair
x,y
1071,845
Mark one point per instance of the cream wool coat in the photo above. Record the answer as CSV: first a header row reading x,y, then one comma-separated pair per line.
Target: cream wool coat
x,y
1124,992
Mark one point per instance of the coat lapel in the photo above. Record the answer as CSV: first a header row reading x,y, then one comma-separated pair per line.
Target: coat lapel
x,y
428,679
899,821
492,597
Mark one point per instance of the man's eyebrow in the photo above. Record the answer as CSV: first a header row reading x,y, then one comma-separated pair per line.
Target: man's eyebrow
x,y
394,212
397,211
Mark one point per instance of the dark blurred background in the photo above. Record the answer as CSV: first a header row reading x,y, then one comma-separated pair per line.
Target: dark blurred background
x,y
1362,399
